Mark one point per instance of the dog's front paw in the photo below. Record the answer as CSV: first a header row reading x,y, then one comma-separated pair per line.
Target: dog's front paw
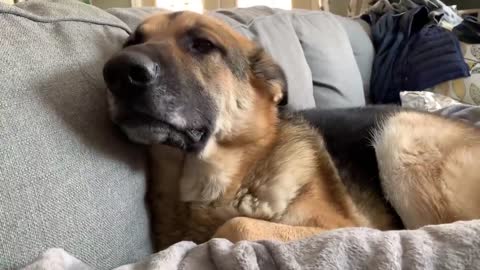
x,y
251,206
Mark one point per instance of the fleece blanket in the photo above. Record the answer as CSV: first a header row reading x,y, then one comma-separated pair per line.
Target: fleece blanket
x,y
448,246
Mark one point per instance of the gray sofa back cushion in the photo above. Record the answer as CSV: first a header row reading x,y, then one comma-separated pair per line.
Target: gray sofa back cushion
x,y
67,178
327,58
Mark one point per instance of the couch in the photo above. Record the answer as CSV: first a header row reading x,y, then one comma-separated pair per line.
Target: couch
x,y
68,178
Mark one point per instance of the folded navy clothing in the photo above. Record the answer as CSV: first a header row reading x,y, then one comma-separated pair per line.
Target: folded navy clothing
x,y
468,31
432,56
412,54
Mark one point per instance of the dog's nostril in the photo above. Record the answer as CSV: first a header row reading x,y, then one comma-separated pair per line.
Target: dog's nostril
x,y
141,74
131,73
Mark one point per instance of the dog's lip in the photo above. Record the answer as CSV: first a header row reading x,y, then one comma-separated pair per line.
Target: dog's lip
x,y
138,119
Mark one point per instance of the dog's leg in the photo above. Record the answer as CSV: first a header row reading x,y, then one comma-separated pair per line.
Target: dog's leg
x,y
269,197
251,205
168,215
243,228
429,167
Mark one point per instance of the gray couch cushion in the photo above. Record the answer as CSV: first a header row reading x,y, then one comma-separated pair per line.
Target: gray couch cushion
x,y
67,178
133,16
359,34
311,46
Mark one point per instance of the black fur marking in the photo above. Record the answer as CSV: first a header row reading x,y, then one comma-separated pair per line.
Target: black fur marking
x,y
135,38
265,68
175,90
348,136
198,32
234,59
237,63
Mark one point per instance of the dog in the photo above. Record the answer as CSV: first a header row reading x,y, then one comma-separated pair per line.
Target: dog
x,y
229,160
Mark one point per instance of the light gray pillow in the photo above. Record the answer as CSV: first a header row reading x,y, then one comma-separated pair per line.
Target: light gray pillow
x,y
67,178
326,58
134,16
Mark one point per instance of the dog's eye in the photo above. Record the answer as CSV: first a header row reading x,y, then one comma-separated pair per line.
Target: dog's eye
x,y
201,45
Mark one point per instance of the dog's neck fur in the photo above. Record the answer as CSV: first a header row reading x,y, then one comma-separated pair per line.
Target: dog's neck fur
x,y
222,166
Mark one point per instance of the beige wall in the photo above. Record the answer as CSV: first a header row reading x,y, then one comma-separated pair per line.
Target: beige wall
x,y
213,4
335,6
208,4
112,3
339,7
305,4
148,3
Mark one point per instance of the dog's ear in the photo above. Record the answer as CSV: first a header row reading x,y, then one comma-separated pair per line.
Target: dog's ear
x,y
269,75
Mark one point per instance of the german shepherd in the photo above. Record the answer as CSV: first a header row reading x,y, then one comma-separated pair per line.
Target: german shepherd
x,y
228,160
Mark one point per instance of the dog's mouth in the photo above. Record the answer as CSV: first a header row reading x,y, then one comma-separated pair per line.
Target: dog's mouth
x,y
147,129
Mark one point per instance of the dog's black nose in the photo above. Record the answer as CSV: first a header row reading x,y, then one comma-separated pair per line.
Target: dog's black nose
x,y
128,74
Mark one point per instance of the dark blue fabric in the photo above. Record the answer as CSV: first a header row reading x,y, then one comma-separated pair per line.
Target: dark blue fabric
x,y
468,31
435,57
412,54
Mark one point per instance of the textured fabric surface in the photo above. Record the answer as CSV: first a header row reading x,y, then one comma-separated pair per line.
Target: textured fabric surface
x,y
443,105
448,246
359,33
465,90
133,16
412,54
313,48
67,178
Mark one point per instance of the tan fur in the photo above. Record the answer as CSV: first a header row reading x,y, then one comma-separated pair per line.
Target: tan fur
x,y
260,166
429,168
163,194
243,228
288,181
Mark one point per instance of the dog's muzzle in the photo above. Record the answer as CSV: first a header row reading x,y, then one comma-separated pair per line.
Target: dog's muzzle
x,y
152,104
130,73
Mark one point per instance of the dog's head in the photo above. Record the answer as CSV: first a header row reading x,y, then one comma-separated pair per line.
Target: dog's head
x,y
183,79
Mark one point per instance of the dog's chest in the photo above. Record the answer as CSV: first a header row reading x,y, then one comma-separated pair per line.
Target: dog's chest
x,y
195,221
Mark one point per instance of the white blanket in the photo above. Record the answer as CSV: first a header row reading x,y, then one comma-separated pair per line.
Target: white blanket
x,y
448,246
443,105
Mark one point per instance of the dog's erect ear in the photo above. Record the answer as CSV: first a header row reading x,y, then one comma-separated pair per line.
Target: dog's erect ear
x,y
269,75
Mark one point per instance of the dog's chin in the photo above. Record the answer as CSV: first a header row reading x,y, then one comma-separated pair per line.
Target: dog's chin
x,y
158,132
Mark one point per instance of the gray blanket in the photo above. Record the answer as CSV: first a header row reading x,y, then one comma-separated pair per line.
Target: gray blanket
x,y
449,246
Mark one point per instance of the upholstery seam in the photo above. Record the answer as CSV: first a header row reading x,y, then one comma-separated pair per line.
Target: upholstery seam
x,y
39,20
254,20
